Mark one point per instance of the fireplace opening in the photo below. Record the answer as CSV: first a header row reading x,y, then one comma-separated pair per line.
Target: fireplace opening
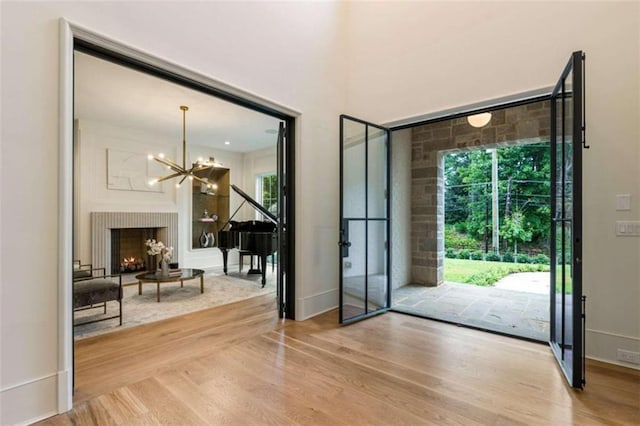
x,y
128,249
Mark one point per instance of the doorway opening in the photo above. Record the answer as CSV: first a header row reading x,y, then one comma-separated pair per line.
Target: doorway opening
x,y
116,193
416,191
479,221
125,111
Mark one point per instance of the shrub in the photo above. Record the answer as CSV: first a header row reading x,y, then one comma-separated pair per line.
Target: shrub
x,y
492,257
523,258
476,255
541,259
487,278
461,227
463,254
450,253
508,257
525,267
455,240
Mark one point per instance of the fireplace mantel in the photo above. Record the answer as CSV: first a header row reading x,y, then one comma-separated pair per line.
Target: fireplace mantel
x,y
103,222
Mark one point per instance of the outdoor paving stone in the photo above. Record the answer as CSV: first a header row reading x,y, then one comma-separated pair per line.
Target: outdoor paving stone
x,y
523,314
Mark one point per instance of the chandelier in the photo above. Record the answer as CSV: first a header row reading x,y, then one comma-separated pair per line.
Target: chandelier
x,y
182,171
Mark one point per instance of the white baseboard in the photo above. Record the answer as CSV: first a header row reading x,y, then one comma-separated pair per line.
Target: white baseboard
x,y
29,402
603,346
316,304
608,361
65,391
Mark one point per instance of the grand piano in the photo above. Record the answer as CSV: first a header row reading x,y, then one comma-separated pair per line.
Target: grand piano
x,y
257,237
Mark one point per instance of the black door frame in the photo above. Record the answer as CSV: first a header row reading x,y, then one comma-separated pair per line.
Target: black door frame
x,y
287,185
525,100
575,67
343,242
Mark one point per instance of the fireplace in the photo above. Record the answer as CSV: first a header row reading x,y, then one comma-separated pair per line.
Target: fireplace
x,y
128,249
109,226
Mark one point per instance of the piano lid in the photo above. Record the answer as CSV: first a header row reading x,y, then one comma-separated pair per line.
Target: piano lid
x,y
256,205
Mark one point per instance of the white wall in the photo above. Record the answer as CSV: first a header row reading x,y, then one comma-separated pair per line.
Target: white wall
x,y
401,210
292,54
448,54
93,141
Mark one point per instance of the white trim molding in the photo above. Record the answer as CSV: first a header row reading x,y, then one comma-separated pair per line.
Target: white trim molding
x,y
469,108
316,304
65,218
608,333
603,346
20,398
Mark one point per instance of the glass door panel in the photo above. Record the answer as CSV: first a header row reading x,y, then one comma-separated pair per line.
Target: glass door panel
x,y
376,173
377,265
566,239
364,224
354,176
354,284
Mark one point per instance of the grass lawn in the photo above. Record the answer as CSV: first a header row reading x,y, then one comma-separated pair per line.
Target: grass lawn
x,y
482,272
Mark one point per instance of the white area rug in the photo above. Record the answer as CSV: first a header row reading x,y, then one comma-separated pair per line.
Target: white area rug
x,y
219,289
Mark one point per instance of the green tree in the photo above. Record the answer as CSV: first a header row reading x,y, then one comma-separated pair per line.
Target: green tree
x,y
515,230
523,186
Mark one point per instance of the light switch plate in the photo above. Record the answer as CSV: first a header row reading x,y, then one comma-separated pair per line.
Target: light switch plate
x,y
628,228
623,202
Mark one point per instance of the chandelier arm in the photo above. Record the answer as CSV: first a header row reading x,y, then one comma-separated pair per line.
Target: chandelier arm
x,y
182,180
200,167
162,179
201,180
170,164
187,173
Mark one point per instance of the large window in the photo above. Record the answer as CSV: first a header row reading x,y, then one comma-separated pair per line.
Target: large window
x,y
267,193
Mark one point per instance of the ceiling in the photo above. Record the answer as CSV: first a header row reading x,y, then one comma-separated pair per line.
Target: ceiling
x,y
120,96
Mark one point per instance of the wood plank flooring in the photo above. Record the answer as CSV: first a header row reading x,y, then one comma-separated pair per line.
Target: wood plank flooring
x,y
239,364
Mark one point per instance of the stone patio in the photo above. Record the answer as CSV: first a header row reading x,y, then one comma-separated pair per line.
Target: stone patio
x,y
516,312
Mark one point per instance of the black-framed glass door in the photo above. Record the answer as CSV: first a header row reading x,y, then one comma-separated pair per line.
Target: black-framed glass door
x,y
567,138
364,219
284,253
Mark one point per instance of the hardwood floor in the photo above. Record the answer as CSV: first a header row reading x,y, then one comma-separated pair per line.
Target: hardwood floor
x,y
239,364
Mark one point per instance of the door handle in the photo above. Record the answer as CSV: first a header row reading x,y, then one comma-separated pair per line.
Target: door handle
x,y
344,243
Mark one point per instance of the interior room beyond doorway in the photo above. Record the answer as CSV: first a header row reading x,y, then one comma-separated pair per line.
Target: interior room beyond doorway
x,y
129,125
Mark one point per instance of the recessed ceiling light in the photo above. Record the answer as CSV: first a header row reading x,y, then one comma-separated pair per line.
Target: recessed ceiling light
x,y
227,143
271,131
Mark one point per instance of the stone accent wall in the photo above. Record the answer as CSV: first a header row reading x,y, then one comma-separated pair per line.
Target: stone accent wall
x,y
429,143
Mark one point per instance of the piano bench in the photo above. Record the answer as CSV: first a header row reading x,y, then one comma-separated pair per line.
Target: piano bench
x,y
242,254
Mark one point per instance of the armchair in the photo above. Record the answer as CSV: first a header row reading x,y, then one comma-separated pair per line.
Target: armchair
x,y
92,290
83,272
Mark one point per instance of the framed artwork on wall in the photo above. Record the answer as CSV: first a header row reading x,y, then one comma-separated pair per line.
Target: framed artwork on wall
x,y
132,171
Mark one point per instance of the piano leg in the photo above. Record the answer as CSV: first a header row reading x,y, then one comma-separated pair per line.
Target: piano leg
x,y
225,255
263,260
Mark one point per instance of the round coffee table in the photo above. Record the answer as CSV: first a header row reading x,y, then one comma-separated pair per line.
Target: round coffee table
x,y
155,277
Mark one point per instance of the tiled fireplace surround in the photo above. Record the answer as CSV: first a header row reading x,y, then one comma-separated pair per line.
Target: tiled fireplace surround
x,y
103,222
